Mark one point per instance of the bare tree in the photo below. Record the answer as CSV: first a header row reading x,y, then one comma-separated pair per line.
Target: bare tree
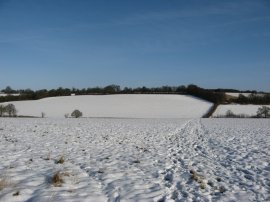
x,y
43,115
264,112
11,110
2,110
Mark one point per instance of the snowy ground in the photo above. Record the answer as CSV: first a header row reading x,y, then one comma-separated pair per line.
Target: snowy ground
x,y
4,95
135,159
237,94
121,106
250,110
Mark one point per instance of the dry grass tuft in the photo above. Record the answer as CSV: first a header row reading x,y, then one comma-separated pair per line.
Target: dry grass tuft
x,y
66,174
61,160
17,193
197,178
101,170
4,183
48,157
136,161
57,179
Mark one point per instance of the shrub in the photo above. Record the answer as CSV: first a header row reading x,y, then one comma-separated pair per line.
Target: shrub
x,y
11,110
76,113
264,112
230,114
2,110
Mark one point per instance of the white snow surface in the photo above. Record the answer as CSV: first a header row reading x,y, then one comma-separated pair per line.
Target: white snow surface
x,y
135,159
250,110
121,106
4,94
237,94
245,94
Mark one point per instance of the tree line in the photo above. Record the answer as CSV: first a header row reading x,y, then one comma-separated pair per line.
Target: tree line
x,y
216,96
258,99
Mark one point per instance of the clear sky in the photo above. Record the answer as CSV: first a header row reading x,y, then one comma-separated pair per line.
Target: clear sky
x,y
87,43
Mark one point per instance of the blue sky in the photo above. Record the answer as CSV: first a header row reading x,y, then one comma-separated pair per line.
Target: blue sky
x,y
86,43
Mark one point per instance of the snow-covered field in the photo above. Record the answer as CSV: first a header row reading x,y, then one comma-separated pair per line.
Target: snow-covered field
x,y
135,159
4,95
237,94
245,94
250,110
121,106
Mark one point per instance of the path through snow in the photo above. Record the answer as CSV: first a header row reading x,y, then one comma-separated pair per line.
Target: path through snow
x,y
135,159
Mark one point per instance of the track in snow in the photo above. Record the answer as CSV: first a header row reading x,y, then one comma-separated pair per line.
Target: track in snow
x,y
136,159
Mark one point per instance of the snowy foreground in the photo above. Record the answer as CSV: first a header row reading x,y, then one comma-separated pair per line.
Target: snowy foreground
x,y
121,106
135,159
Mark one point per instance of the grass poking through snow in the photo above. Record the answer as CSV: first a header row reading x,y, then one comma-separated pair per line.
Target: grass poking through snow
x,y
61,160
4,183
57,179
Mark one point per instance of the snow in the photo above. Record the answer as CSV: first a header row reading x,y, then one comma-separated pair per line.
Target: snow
x,y
245,94
250,110
237,94
135,159
4,95
121,106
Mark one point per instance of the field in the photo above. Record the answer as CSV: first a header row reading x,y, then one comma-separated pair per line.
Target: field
x,y
120,106
134,159
249,110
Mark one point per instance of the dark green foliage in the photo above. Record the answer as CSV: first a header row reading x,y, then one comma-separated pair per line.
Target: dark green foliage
x,y
211,96
258,99
211,111
216,96
76,113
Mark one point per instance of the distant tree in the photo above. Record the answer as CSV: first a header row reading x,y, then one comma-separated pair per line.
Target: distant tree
x,y
76,113
8,90
230,114
127,90
11,110
111,89
43,115
2,110
181,89
66,115
264,112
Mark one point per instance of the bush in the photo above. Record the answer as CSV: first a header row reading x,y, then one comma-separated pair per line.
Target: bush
x,y
230,114
10,109
264,112
2,110
76,113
